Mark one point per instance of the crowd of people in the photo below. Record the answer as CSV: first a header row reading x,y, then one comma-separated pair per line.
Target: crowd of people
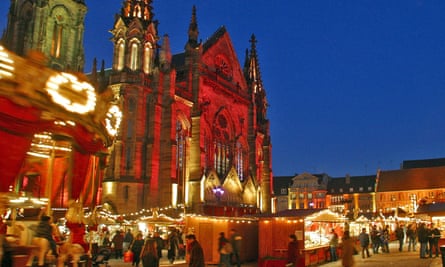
x,y
378,239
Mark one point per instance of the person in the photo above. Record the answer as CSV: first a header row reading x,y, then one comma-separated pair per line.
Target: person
x,y
149,254
159,243
195,251
105,242
400,235
128,239
235,240
117,241
385,239
136,247
434,243
422,236
45,230
375,238
292,251
224,248
364,243
333,243
172,246
412,235
348,248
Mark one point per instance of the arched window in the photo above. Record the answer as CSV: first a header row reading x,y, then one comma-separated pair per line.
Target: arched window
x,y
222,148
56,42
180,151
120,55
148,53
134,58
240,163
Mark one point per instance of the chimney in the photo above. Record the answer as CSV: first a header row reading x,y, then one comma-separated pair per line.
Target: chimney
x,y
348,179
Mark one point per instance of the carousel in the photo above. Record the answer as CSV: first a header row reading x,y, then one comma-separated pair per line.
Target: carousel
x,y
55,129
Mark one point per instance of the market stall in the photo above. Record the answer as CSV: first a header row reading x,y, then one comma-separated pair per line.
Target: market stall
x,y
312,228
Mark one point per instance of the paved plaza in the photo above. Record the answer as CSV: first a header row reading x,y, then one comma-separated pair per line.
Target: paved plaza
x,y
392,259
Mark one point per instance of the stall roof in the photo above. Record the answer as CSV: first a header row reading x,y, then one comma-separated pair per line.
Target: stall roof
x,y
310,214
437,209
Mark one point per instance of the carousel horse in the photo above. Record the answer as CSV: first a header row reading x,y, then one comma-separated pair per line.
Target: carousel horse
x,y
40,250
70,252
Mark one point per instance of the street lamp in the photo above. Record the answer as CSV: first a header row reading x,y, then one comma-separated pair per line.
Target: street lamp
x,y
218,191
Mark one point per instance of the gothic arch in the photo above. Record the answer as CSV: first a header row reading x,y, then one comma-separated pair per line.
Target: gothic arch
x,y
223,142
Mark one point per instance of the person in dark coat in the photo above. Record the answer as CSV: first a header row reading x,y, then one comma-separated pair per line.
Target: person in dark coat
x,y
422,236
434,240
45,230
136,247
172,246
235,240
195,251
364,243
224,252
118,241
292,250
400,235
149,254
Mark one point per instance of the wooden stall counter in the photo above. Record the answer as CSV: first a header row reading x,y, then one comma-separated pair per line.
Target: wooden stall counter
x,y
316,255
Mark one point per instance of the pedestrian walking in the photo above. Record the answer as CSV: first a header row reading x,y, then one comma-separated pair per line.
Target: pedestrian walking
x,y
149,254
117,243
422,236
364,243
195,251
128,239
292,251
235,240
400,235
136,247
411,234
333,243
225,249
348,248
434,243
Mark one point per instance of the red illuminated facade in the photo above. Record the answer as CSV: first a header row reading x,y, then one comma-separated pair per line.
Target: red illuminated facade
x,y
192,122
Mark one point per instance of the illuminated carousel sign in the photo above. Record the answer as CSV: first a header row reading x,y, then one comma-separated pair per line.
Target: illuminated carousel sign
x,y
60,96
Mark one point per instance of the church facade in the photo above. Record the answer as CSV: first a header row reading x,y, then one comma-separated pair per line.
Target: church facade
x,y
195,132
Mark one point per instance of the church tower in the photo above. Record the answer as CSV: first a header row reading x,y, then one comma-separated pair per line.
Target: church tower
x,y
134,161
53,27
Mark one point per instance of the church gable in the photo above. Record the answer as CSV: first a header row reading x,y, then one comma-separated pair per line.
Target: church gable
x,y
250,191
219,55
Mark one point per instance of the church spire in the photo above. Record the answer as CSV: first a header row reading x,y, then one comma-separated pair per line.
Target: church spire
x,y
253,78
141,9
193,31
252,67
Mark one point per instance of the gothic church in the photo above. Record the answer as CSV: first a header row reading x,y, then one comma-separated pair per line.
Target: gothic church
x,y
195,132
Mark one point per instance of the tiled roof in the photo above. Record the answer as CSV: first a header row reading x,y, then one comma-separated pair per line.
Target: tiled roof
x,y
411,179
340,185
280,182
423,163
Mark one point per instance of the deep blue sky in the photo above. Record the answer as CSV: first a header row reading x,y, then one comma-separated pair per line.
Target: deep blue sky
x,y
353,86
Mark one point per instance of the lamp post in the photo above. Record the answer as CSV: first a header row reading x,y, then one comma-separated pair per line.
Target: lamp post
x,y
218,191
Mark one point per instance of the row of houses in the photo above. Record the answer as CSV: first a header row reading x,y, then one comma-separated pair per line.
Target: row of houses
x,y
390,192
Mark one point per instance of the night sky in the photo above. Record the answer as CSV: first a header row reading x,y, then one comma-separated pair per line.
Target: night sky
x,y
353,86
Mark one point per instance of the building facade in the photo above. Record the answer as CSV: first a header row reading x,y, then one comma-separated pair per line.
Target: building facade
x,y
195,129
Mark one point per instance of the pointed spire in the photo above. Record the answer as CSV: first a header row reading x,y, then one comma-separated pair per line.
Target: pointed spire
x,y
141,9
165,55
193,30
252,70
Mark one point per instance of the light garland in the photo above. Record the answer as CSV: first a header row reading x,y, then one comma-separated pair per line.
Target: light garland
x,y
65,88
113,120
6,64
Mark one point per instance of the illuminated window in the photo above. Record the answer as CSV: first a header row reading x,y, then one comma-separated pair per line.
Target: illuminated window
x,y
180,151
56,42
148,52
240,158
134,59
222,148
120,55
